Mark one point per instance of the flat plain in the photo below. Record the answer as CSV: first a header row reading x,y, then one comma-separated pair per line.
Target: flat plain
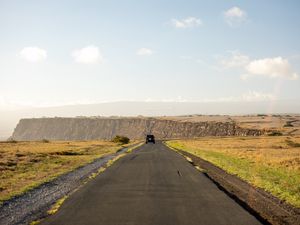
x,y
287,124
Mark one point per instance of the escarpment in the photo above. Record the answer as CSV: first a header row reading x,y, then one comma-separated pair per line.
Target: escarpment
x,y
134,128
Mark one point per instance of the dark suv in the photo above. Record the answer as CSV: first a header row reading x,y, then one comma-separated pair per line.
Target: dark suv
x,y
150,138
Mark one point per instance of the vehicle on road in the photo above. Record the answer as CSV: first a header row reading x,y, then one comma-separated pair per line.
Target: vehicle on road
x,y
150,139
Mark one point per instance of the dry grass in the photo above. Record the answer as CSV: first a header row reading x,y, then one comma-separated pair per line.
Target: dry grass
x,y
287,124
24,165
272,163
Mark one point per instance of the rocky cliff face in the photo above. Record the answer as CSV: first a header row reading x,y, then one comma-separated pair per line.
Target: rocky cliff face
x,y
134,128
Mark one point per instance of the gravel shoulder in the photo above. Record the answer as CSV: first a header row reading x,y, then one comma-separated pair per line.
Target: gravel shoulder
x,y
266,207
35,203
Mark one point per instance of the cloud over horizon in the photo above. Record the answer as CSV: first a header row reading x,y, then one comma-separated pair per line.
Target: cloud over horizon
x,y
250,96
33,54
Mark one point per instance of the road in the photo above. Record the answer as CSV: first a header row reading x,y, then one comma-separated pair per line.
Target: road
x,y
153,185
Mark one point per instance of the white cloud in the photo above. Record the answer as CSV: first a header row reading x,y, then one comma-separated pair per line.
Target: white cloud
x,y
250,96
33,54
235,60
188,22
235,16
88,55
144,51
277,67
257,96
178,99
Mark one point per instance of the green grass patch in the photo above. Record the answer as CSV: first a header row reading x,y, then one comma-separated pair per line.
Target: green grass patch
x,y
281,182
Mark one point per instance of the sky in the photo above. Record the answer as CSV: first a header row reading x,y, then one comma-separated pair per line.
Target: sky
x,y
66,52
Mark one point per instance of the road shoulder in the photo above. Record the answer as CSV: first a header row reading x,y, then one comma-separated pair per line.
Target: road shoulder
x,y
264,206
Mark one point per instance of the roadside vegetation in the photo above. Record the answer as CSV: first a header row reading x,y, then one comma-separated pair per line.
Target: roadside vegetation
x,y
121,139
271,163
24,165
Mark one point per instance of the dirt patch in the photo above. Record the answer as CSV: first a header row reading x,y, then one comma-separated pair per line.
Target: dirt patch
x,y
266,207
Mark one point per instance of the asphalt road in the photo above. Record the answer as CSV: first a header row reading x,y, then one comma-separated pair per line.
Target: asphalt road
x,y
153,185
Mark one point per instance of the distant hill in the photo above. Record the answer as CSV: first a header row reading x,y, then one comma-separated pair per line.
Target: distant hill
x,y
9,119
92,128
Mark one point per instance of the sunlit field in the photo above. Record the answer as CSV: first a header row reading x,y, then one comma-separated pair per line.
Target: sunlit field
x,y
24,165
271,163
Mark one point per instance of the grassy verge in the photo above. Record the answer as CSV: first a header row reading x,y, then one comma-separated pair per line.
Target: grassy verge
x,y
25,165
271,163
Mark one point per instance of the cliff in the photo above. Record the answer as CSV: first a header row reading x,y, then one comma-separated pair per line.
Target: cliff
x,y
134,128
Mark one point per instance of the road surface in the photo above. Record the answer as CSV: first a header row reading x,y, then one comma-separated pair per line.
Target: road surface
x,y
153,185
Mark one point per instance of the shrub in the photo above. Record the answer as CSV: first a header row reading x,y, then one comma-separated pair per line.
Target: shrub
x,y
121,139
263,115
292,144
275,133
10,140
45,141
67,153
288,124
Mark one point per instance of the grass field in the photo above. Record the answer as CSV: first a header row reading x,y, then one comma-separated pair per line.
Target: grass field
x,y
24,165
271,163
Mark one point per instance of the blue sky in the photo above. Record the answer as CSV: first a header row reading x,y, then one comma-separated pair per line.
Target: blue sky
x,y
69,52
